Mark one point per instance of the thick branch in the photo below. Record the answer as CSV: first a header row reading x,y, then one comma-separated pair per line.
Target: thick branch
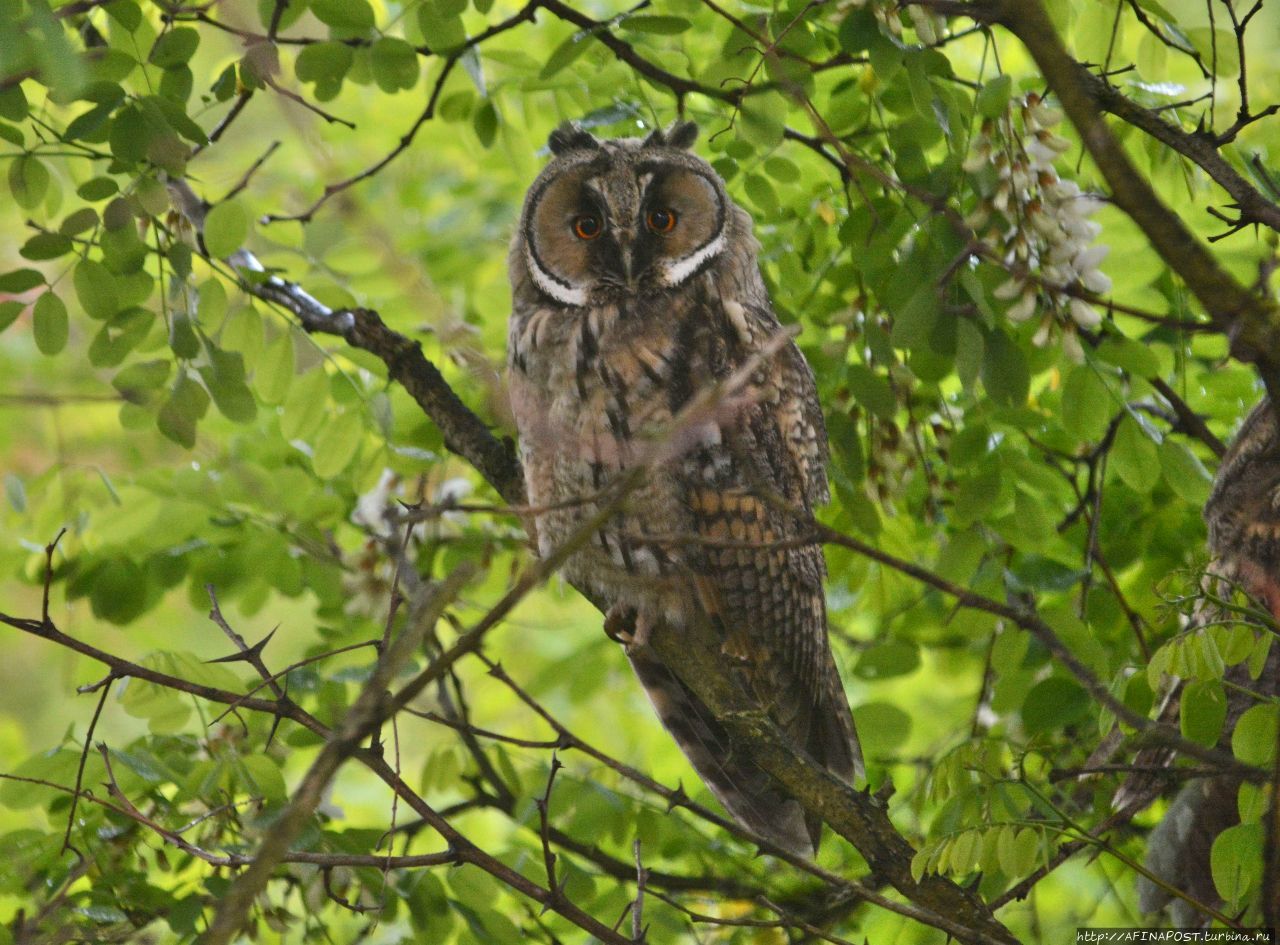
x,y
694,654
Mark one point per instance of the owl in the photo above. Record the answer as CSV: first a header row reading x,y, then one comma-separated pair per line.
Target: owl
x,y
1243,518
636,288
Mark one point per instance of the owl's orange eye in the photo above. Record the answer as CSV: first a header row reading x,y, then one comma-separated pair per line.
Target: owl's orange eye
x,y
661,221
587,227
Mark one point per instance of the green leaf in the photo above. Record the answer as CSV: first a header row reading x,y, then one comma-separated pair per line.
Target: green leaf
x,y
441,24
887,659
77,222
763,198
913,323
126,13
871,390
1086,404
44,246
56,767
993,98
1235,861
130,135
174,48
49,324
118,592
138,382
183,340
1026,851
1052,704
96,289
263,777
1218,50
13,103
1254,739
1135,457
186,405
275,370
324,65
1005,373
21,280
485,122
337,443
28,181
349,16
98,188
1203,711
859,31
224,377
120,334
395,64
882,726
304,410
1184,473
226,227
9,312
563,55
1133,356
662,25
763,120
781,169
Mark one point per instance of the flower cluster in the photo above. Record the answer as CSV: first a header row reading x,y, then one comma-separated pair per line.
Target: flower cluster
x,y
1037,223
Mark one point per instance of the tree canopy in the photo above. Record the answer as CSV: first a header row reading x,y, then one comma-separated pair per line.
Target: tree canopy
x,y
278,661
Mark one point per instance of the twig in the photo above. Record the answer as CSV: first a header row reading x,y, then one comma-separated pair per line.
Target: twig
x,y
84,756
369,710
637,907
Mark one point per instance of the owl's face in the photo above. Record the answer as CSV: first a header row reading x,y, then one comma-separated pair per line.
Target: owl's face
x,y
607,220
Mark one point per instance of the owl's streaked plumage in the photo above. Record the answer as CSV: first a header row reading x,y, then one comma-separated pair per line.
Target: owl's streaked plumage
x,y
1243,517
636,286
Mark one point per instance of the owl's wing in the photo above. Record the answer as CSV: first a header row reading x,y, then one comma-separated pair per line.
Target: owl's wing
x,y
751,497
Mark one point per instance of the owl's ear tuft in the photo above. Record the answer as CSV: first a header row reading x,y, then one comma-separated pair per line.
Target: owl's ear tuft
x,y
682,135
570,136
679,135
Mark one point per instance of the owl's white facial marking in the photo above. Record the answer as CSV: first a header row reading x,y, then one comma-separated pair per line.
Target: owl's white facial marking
x,y
678,271
558,289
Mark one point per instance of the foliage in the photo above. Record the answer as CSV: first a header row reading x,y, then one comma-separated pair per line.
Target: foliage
x,y
1025,390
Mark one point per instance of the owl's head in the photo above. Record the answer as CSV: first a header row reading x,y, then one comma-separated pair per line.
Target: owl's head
x,y
623,217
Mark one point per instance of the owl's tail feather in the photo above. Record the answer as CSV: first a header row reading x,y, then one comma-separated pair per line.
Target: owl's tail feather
x,y
833,741
750,795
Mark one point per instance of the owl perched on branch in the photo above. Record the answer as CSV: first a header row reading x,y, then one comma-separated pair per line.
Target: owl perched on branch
x,y
637,294
1243,518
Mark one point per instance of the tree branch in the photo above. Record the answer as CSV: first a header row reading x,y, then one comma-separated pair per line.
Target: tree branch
x,y
1251,324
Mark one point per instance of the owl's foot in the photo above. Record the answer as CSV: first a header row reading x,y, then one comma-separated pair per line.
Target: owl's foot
x,y
628,626
619,624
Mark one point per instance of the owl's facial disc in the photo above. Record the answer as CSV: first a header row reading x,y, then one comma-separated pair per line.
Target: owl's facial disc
x,y
683,221
622,221
564,226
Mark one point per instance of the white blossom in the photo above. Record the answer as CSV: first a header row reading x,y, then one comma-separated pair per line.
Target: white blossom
x,y
1038,223
1010,289
1084,314
1022,309
1071,347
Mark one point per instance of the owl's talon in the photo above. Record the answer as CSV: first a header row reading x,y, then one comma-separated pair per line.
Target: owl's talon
x,y
619,623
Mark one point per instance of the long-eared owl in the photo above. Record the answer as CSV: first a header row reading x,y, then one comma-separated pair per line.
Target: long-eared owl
x,y
636,288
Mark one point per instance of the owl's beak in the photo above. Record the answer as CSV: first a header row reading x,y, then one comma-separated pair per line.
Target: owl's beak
x,y
627,258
